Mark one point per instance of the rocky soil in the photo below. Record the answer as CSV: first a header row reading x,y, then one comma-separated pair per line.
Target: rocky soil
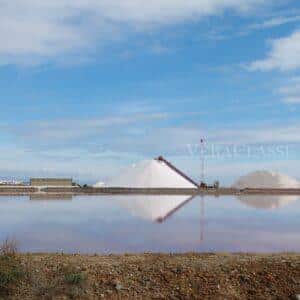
x,y
157,276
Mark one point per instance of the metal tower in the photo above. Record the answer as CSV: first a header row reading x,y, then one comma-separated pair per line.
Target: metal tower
x,y
202,153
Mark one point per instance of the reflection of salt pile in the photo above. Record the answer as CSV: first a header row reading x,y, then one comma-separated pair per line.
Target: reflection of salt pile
x,y
266,179
150,174
155,208
267,202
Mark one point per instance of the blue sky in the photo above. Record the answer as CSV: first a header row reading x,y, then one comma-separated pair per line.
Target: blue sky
x,y
88,87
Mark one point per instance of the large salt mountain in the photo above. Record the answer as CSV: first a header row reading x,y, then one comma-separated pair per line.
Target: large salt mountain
x,y
266,179
150,174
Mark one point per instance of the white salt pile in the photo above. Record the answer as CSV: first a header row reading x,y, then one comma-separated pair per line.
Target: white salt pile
x,y
266,179
154,208
267,202
99,184
150,174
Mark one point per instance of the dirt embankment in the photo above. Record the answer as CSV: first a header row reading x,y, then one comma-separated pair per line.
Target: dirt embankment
x,y
155,276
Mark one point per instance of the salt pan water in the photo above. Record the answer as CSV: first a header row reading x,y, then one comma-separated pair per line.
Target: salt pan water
x,y
118,224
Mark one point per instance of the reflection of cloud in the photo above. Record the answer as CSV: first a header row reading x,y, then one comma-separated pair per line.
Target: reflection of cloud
x,y
96,224
267,202
155,208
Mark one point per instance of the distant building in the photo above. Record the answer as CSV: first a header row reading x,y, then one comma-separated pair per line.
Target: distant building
x,y
57,182
11,182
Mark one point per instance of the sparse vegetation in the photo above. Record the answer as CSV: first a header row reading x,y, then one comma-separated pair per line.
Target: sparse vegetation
x,y
11,271
57,277
72,274
147,276
74,278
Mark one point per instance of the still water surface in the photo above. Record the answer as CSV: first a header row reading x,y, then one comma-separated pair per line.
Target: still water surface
x,y
117,224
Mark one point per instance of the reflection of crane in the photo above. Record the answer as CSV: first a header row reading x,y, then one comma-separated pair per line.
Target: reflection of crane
x,y
178,207
174,210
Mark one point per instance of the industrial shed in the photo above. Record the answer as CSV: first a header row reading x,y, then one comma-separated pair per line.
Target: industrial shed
x,y
57,182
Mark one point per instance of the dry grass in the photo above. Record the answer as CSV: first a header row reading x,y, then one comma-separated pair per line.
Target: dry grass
x,y
11,271
9,247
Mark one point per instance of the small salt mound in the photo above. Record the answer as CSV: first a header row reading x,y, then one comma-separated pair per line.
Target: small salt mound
x,y
150,174
267,202
99,184
266,179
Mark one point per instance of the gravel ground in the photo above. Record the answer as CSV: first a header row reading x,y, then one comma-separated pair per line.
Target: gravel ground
x,y
158,276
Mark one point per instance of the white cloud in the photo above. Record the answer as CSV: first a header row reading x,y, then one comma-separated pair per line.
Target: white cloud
x,y
292,99
72,130
260,133
290,92
159,49
32,31
274,22
146,135
283,56
97,154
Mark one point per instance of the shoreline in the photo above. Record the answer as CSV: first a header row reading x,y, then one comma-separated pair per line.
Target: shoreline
x,y
159,276
74,191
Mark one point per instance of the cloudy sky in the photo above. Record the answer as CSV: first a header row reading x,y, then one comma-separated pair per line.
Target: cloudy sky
x,y
91,86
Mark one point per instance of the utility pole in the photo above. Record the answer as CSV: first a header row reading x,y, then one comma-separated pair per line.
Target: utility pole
x,y
202,153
